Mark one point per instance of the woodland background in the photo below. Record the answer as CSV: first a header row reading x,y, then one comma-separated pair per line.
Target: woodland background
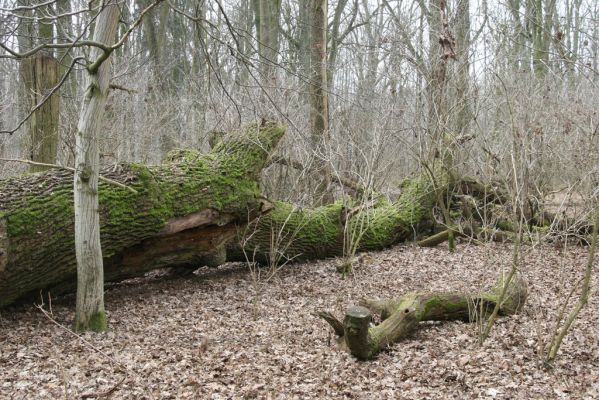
x,y
499,95
524,77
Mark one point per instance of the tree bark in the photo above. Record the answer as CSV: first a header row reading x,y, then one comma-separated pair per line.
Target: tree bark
x,y
319,101
40,74
462,114
182,211
90,314
401,316
291,233
267,15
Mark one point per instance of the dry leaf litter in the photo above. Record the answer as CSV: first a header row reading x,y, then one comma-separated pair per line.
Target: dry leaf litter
x,y
218,335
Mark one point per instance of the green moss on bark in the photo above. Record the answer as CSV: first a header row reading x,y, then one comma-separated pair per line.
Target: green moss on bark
x,y
319,232
39,215
97,323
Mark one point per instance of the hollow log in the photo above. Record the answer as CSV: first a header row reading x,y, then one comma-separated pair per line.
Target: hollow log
x,y
178,214
400,317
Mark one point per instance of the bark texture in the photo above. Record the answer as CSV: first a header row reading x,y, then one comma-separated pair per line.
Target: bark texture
x,y
40,74
90,313
292,233
319,102
183,210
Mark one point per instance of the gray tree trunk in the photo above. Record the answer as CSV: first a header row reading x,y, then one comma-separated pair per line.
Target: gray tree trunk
x,y
319,102
463,109
267,18
40,74
90,314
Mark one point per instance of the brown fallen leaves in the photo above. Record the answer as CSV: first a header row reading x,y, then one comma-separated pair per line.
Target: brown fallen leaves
x,y
207,337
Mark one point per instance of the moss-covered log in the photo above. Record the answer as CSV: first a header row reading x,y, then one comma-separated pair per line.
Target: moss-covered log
x,y
437,238
289,232
401,316
181,212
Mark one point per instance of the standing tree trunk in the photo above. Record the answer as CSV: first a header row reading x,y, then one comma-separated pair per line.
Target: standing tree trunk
x,y
303,40
520,59
267,18
463,109
40,74
335,40
319,102
90,314
540,21
441,49
199,68
155,32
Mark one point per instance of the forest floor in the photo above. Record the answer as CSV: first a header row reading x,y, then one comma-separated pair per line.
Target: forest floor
x,y
209,336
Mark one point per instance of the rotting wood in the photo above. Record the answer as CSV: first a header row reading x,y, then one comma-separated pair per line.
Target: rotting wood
x,y
400,317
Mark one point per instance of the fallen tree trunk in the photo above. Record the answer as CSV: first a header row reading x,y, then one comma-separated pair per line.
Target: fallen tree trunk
x,y
178,213
401,316
292,233
184,213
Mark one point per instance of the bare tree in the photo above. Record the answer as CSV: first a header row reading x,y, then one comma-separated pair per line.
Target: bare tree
x,y
90,313
319,102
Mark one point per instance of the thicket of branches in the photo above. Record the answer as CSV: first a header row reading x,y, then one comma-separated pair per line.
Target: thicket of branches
x,y
524,71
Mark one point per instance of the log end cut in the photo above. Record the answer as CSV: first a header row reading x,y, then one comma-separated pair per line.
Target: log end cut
x,y
355,326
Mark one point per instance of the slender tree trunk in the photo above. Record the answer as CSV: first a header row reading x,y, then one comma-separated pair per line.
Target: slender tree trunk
x,y
595,48
200,71
436,77
540,21
156,42
520,60
40,74
90,314
334,39
536,12
267,17
319,102
463,113
68,91
246,22
548,13
303,39
442,144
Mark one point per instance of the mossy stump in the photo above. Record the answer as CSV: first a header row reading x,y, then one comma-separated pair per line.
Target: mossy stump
x,y
400,317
